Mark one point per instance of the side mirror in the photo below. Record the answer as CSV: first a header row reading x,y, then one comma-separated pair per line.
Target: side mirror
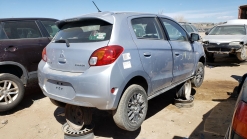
x,y
206,33
194,37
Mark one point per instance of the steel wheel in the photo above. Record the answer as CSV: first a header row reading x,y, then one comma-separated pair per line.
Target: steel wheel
x,y
8,92
136,107
77,116
187,90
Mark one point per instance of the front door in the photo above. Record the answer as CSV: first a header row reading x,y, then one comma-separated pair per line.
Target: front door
x,y
154,51
183,52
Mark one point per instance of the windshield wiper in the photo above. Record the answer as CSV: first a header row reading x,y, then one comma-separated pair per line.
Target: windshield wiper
x,y
63,41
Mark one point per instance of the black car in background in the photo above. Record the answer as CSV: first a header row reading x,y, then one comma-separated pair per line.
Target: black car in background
x,y
21,43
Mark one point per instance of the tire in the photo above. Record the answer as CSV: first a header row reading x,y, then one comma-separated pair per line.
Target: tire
x,y
242,56
58,103
199,75
9,100
133,102
77,116
210,56
184,91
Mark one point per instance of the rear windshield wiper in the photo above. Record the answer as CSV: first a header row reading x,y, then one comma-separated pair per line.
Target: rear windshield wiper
x,y
63,41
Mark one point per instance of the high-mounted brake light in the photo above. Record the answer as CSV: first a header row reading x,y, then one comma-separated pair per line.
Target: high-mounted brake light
x,y
105,55
240,120
44,57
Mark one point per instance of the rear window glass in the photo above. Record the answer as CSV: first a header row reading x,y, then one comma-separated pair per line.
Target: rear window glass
x,y
2,33
228,30
91,30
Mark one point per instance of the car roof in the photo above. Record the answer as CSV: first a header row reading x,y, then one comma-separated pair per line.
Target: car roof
x,y
236,22
106,16
27,18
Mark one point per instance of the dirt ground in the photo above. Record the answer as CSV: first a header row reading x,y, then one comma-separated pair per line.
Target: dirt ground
x,y
37,118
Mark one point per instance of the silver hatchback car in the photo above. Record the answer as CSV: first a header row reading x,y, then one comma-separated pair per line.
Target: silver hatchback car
x,y
118,61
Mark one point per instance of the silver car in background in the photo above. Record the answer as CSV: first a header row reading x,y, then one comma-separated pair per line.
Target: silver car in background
x,y
228,38
118,61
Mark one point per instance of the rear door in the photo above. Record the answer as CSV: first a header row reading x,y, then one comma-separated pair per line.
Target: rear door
x,y
183,52
73,45
24,44
154,50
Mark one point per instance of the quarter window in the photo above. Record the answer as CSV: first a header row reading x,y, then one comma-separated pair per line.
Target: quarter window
x,y
21,29
51,27
146,28
175,32
189,29
2,33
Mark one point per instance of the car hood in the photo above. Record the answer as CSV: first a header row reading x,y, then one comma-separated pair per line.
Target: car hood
x,y
225,38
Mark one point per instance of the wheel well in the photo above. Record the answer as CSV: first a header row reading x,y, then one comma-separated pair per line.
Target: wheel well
x,y
11,69
202,59
137,80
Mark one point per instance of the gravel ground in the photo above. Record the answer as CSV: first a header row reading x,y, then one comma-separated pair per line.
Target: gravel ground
x,y
37,118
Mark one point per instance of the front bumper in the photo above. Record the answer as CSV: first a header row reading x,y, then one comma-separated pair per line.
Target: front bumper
x,y
88,89
222,48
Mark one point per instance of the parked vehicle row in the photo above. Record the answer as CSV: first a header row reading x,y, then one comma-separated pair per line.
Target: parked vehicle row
x,y
21,43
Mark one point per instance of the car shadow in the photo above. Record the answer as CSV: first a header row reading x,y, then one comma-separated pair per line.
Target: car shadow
x,y
104,125
215,124
224,60
32,93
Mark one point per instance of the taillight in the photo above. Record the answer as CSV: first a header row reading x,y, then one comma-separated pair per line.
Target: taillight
x,y
240,120
105,55
44,57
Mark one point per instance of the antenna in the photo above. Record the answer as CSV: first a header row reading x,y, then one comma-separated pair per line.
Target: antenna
x,y
96,6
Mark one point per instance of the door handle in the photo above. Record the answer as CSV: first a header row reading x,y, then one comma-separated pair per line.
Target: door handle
x,y
10,49
177,54
147,54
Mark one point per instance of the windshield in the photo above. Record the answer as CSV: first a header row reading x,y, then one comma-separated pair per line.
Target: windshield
x,y
228,30
90,30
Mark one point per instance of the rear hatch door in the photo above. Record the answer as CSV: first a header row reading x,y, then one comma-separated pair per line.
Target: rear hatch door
x,y
73,45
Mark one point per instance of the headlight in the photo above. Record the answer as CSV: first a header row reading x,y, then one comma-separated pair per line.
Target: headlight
x,y
234,43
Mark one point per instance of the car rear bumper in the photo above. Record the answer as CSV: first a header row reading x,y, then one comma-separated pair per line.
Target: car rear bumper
x,y
88,89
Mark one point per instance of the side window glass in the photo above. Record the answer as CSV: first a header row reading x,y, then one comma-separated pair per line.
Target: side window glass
x,y
146,28
2,33
21,29
51,27
175,32
189,29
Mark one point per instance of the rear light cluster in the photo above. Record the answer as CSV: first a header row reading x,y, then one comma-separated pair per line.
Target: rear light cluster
x,y
44,57
240,120
105,55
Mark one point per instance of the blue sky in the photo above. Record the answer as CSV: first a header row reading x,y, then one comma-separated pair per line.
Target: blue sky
x,y
191,10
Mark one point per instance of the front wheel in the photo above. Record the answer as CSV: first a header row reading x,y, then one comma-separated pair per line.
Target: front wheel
x,y
132,108
242,56
11,91
199,75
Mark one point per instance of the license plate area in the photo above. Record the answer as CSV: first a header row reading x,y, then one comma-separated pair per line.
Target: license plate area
x,y
61,89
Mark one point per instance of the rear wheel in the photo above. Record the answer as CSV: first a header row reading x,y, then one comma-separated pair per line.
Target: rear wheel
x,y
11,91
132,108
